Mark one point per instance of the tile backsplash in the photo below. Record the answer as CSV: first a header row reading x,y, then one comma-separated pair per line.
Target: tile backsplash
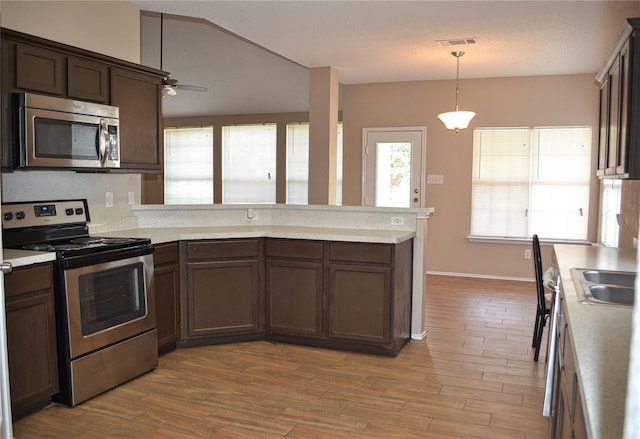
x,y
60,185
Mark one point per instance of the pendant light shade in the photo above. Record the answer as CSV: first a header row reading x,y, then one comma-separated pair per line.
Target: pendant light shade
x,y
456,120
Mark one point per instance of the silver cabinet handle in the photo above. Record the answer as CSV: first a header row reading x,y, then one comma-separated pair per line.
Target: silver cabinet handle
x,y
6,267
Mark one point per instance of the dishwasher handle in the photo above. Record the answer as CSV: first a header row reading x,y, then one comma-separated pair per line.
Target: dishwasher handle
x,y
547,407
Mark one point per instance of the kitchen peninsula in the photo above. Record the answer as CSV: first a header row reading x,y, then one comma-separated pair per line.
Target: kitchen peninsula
x,y
341,247
361,259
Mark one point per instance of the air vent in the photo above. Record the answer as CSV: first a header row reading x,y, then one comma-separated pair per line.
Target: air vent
x,y
458,41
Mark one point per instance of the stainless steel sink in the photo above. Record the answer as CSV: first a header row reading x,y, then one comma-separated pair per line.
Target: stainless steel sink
x,y
612,294
605,286
622,278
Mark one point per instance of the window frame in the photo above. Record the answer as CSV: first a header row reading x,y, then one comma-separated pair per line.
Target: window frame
x,y
534,166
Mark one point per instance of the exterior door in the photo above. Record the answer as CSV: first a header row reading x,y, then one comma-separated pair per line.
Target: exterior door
x,y
393,166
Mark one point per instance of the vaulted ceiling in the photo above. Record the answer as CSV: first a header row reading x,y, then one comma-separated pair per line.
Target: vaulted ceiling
x,y
253,56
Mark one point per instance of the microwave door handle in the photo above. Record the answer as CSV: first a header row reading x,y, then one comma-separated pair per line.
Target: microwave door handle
x,y
103,142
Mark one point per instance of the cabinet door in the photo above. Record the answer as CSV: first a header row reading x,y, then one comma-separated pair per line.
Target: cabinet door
x,y
614,119
139,97
579,426
294,297
166,275
39,69
360,302
87,80
603,141
31,338
623,145
223,297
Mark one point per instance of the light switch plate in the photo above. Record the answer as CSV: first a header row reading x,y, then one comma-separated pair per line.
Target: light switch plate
x,y
108,199
435,179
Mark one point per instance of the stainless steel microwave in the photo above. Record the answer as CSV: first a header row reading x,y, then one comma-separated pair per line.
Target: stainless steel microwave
x,y
53,132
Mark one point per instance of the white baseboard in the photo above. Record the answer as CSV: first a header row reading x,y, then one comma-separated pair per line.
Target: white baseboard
x,y
419,336
480,276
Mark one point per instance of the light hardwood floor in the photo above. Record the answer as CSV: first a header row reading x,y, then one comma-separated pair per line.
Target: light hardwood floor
x,y
473,377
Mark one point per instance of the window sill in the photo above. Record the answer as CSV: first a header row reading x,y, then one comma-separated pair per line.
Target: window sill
x,y
523,241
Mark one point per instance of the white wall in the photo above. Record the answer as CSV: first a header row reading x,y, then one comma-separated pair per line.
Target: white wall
x,y
108,27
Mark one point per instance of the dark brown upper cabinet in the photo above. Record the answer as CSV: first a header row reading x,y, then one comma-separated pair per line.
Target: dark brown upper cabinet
x,y
43,66
619,134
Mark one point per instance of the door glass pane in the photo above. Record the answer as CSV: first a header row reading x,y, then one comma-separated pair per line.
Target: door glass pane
x,y
393,174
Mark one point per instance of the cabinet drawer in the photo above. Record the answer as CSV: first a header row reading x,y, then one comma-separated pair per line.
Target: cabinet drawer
x,y
356,252
27,280
286,248
222,249
165,253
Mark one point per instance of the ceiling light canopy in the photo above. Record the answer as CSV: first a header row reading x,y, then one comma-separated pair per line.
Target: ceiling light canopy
x,y
456,120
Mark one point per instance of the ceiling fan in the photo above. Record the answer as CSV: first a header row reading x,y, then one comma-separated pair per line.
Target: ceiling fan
x,y
169,85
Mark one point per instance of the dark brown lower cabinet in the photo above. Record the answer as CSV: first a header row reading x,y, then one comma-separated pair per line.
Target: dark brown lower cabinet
x,y
31,338
569,417
166,276
354,296
224,290
369,295
360,303
294,287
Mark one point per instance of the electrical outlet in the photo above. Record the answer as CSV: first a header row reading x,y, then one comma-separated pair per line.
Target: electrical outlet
x,y
397,221
131,197
527,253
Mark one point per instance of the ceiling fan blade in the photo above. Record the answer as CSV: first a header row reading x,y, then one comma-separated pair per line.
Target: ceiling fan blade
x,y
191,87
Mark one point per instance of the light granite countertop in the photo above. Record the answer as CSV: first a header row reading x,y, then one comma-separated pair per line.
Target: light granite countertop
x,y
19,258
601,338
169,234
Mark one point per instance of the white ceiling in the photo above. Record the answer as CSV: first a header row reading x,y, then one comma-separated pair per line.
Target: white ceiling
x,y
387,41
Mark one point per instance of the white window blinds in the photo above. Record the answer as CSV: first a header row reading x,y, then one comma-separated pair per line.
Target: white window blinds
x,y
531,181
188,165
297,163
249,163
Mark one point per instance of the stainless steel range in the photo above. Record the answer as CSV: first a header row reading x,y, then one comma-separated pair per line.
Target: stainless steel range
x,y
105,307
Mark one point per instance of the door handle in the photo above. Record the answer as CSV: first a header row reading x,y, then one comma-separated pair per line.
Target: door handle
x,y
6,267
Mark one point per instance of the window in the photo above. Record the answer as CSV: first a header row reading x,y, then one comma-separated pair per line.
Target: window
x,y
298,164
188,165
531,181
249,163
610,199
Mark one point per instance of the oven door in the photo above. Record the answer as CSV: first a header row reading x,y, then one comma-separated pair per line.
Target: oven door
x,y
108,302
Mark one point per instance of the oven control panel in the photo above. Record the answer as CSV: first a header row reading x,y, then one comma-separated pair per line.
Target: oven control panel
x,y
44,213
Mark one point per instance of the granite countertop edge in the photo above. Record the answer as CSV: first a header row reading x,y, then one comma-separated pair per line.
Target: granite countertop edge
x,y
19,258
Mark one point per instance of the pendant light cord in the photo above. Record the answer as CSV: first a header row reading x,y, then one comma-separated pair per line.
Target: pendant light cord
x,y
457,54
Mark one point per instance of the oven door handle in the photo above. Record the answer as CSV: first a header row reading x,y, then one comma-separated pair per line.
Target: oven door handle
x,y
547,407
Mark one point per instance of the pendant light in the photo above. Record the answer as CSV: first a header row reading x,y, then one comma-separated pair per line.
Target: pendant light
x,y
457,120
